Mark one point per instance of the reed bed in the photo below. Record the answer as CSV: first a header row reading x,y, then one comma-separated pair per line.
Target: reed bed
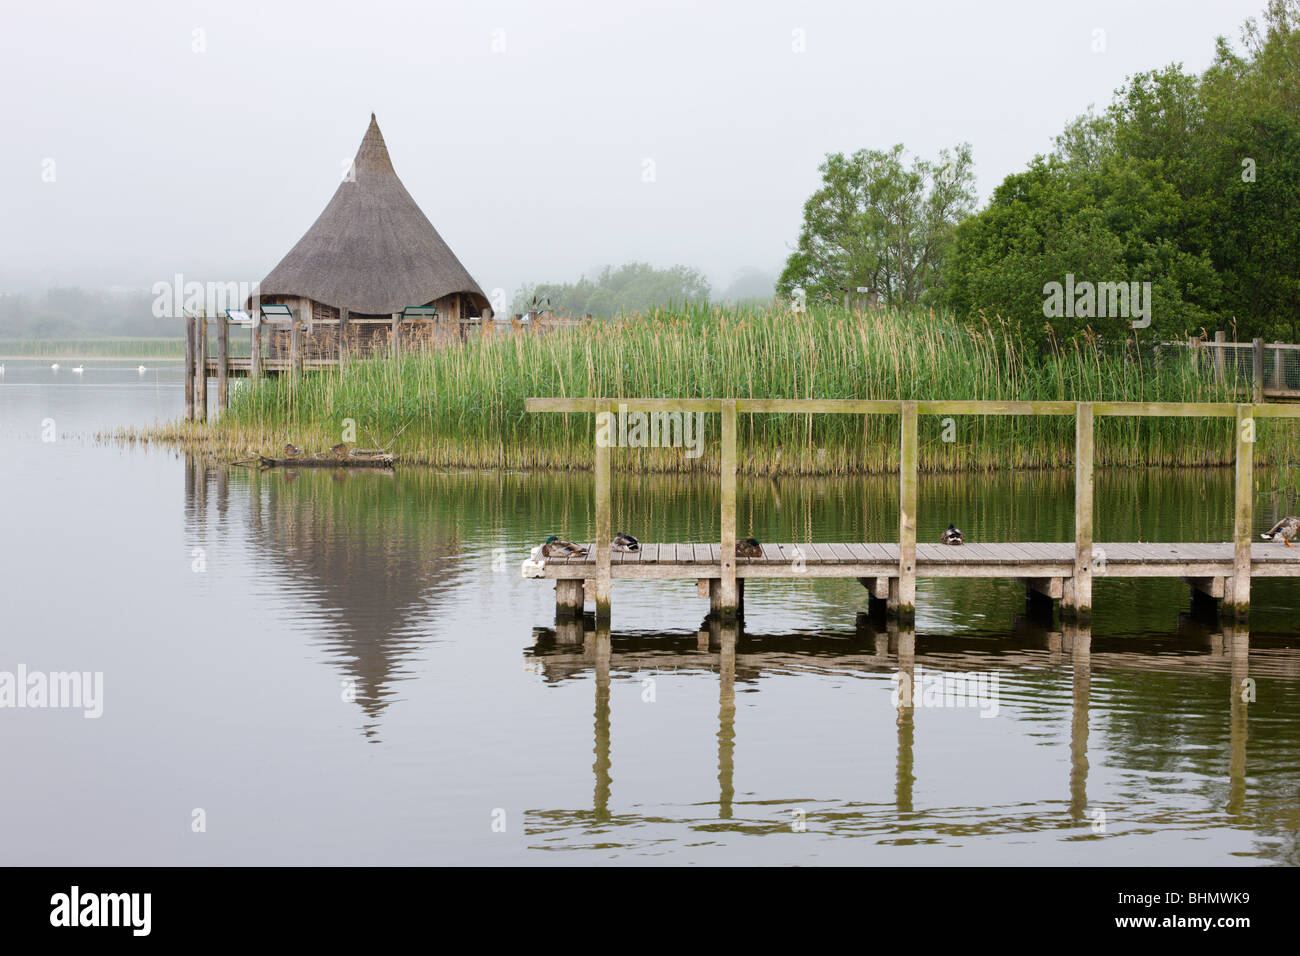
x,y
463,406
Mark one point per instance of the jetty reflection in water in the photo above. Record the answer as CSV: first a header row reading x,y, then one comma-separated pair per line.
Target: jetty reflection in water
x,y
1122,732
575,649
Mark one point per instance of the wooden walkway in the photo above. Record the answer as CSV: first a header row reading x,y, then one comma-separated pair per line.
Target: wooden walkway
x,y
1046,568
1221,571
1033,559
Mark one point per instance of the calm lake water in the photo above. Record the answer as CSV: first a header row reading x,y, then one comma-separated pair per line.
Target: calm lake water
x,y
350,670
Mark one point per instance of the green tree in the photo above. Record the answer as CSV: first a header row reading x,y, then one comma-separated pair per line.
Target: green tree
x,y
879,223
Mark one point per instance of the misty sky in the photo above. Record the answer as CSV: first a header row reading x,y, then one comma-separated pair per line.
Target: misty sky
x,y
529,159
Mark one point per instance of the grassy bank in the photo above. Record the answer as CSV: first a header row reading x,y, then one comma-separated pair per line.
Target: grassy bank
x,y
464,406
92,348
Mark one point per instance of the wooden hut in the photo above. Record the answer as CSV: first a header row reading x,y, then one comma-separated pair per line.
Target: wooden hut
x,y
369,257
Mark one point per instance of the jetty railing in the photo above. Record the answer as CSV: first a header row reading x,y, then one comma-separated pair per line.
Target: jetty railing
x,y
1263,370
1076,599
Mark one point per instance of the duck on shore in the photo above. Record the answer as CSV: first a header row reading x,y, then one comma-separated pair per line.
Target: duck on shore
x,y
952,535
554,547
1285,529
625,542
291,451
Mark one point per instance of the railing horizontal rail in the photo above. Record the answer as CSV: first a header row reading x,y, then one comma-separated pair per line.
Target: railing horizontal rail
x,y
798,406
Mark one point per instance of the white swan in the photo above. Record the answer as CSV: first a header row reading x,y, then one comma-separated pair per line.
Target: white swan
x,y
141,369
54,367
79,369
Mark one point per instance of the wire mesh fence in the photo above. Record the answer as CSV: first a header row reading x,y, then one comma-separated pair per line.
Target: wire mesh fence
x,y
1234,364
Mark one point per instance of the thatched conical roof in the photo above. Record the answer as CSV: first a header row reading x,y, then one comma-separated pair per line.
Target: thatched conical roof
x,y
372,250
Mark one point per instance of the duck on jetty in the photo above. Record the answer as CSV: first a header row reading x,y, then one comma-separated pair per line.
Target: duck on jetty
x,y
952,535
625,542
554,547
749,548
1285,529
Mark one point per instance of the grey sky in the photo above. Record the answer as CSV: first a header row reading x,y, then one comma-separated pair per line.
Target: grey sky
x,y
530,161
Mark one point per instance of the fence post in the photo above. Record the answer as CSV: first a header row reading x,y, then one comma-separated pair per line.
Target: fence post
x,y
255,346
1243,514
1078,605
1257,371
201,376
1279,368
223,359
343,338
728,597
190,352
1220,338
604,537
907,477
395,337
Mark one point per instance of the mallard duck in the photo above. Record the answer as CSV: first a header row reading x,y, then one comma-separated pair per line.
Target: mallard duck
x,y
554,547
341,449
952,535
625,542
1286,529
291,451
749,548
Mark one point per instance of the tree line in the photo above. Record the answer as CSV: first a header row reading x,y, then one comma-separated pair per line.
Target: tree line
x,y
1185,189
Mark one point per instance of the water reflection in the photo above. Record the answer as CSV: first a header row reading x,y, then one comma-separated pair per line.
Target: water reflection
x,y
364,577
1136,692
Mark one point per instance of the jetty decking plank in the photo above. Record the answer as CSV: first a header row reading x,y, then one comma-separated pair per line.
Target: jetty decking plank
x,y
995,560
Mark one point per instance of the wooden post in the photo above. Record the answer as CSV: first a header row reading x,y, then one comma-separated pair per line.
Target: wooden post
x,y
728,597
568,599
1257,372
603,523
395,339
1279,369
1220,338
1238,605
1077,604
223,359
343,339
255,346
907,477
295,348
201,377
190,352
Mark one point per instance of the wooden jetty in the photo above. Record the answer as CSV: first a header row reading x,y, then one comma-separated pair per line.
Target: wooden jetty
x,y
1057,571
